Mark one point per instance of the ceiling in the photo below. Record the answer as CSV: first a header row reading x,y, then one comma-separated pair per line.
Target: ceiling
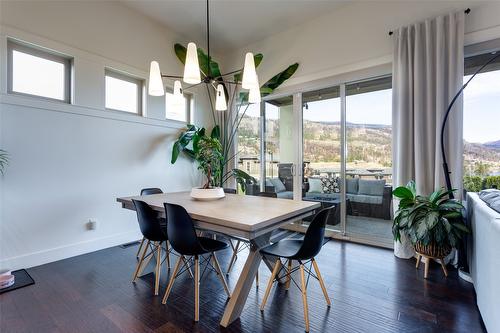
x,y
233,23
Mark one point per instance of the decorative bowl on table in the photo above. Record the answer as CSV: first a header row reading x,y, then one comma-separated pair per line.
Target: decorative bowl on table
x,y
207,194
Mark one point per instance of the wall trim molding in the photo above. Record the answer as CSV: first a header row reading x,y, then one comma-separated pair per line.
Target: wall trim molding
x,y
67,251
45,105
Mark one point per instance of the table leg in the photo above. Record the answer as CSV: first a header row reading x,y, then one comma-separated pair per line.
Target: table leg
x,y
245,281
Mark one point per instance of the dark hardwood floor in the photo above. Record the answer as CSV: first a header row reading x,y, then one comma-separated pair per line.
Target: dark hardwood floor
x,y
371,291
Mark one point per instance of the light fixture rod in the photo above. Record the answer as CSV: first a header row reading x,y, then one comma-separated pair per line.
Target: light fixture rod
x,y
208,40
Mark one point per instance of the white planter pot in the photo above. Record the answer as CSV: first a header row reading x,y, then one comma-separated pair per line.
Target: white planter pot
x,y
207,194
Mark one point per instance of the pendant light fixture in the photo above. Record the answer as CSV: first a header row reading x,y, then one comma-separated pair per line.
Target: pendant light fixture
x,y
220,99
194,76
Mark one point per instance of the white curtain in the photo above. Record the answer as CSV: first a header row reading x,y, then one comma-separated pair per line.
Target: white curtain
x,y
428,69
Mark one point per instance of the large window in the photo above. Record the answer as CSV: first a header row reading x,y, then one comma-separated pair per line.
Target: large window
x,y
123,92
248,143
481,119
33,71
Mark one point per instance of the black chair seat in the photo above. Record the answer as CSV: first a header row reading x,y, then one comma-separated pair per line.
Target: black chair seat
x,y
287,248
211,245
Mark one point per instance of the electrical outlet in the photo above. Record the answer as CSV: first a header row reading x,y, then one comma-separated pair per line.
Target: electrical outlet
x,y
92,224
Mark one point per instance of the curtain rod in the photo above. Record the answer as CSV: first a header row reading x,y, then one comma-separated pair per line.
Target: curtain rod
x,y
467,11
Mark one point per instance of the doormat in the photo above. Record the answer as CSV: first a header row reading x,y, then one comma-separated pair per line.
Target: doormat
x,y
22,279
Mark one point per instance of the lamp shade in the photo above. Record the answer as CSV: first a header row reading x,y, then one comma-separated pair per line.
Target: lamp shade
x,y
254,94
178,95
155,87
220,100
249,74
192,66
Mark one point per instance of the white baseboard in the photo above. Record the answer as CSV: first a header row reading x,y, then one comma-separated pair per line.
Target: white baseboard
x,y
67,251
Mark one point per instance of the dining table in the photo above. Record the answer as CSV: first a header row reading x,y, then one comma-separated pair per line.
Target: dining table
x,y
242,217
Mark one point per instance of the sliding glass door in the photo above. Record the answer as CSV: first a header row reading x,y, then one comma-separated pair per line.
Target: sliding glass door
x,y
278,148
322,155
369,160
332,146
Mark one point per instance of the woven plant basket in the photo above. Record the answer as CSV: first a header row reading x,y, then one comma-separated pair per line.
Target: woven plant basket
x,y
433,250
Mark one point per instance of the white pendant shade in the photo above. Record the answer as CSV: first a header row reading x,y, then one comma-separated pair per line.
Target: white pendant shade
x,y
155,87
220,100
192,67
254,94
249,74
178,95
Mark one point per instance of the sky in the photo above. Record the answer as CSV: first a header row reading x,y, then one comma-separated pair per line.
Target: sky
x,y
481,108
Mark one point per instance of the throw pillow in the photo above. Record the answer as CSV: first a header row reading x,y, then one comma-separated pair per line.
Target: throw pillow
x,y
278,185
327,185
352,185
315,185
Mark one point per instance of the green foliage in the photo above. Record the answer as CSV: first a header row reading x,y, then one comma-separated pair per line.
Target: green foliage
x,y
428,219
492,182
208,154
473,183
192,140
4,160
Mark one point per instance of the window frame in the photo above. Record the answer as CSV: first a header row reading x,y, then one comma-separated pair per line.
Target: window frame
x,y
119,75
39,52
187,109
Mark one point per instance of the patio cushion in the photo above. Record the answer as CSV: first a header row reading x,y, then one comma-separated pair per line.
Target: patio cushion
x,y
369,199
352,185
285,195
315,185
278,185
371,187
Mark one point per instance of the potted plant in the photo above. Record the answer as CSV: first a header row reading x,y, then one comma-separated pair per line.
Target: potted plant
x,y
208,154
433,223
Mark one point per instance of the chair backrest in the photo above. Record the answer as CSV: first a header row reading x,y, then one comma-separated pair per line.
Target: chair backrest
x,y
148,222
267,194
180,229
152,190
315,234
229,190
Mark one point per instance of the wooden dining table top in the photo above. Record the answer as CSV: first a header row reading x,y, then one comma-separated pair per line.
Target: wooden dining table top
x,y
240,212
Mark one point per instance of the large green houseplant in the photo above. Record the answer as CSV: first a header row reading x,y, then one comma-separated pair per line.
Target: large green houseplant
x,y
432,223
225,124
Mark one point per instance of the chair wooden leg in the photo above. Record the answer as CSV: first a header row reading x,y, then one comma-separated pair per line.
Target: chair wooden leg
x,y
270,284
221,275
321,282
139,264
158,267
445,271
172,279
196,288
288,277
140,248
167,245
145,262
426,269
233,257
304,296
418,260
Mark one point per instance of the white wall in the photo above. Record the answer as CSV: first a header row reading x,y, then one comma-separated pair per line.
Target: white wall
x,y
70,162
355,37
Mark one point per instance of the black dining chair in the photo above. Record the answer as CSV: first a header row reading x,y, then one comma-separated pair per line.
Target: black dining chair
x,y
163,222
266,194
155,235
303,251
183,238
